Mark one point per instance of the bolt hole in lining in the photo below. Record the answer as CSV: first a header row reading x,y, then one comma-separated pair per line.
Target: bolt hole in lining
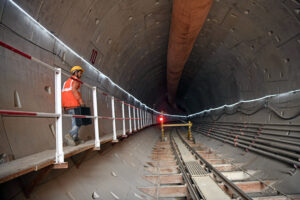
x,y
48,89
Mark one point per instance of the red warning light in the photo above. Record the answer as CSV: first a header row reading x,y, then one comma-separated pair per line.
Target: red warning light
x,y
161,119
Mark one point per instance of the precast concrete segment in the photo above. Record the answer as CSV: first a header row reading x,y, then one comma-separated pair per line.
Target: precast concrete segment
x,y
240,175
249,186
209,189
247,180
229,185
165,179
187,19
166,191
185,153
206,186
163,170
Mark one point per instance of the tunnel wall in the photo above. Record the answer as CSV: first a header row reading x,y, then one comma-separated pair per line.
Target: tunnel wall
x,y
130,38
277,109
246,50
31,86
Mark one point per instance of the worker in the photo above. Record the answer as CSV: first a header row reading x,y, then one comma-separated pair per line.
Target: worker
x,y
71,98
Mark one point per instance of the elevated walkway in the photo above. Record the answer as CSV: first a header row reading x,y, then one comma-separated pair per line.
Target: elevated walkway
x,y
113,174
37,161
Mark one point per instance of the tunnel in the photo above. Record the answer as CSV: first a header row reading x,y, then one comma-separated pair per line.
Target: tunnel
x,y
188,99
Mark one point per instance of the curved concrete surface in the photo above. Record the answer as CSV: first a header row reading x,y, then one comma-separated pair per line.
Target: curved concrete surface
x,y
188,18
115,173
245,50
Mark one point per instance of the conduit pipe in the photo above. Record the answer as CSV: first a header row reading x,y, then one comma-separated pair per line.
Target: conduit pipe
x,y
255,139
187,19
241,139
248,137
261,130
284,127
271,154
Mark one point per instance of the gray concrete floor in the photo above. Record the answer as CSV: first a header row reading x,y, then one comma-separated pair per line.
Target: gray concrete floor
x,y
115,173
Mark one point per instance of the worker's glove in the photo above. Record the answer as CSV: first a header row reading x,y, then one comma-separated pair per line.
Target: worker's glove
x,y
82,103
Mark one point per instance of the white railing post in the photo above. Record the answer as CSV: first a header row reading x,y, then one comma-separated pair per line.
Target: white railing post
x,y
129,118
96,124
123,116
138,118
59,157
134,119
141,118
145,118
114,119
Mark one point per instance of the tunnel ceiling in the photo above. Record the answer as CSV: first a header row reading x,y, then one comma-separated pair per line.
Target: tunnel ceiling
x,y
246,49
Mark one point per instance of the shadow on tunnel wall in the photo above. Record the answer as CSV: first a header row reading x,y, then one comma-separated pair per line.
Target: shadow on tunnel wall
x,y
28,86
246,49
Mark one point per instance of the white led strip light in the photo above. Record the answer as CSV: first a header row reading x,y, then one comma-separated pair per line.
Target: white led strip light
x,y
245,101
135,99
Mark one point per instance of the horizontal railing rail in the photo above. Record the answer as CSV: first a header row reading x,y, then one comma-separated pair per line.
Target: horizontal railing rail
x,y
141,117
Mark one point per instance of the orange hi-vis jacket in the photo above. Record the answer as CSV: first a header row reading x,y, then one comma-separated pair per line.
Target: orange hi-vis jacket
x,y
67,96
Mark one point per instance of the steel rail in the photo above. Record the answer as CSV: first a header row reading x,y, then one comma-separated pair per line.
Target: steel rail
x,y
256,125
258,134
257,139
264,130
288,152
258,179
245,171
225,180
296,164
260,131
192,190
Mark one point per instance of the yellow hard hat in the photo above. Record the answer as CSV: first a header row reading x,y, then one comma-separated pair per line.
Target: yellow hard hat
x,y
76,68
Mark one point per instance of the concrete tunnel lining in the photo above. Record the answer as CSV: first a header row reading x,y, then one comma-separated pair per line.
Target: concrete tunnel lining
x,y
245,50
223,19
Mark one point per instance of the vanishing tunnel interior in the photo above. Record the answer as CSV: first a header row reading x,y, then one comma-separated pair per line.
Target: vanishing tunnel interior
x,y
185,58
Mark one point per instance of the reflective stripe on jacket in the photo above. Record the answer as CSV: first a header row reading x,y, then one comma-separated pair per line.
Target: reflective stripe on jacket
x,y
67,97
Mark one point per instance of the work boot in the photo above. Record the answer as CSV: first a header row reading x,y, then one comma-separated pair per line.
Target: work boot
x,y
79,141
70,140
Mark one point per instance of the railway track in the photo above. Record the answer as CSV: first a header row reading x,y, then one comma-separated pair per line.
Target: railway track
x,y
181,169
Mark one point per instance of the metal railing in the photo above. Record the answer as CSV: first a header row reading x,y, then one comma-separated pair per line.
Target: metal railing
x,y
144,118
